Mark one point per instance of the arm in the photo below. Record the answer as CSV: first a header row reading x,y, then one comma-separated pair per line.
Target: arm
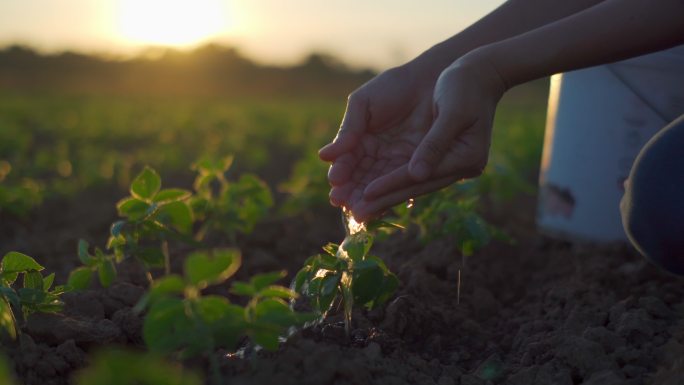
x,y
512,18
610,31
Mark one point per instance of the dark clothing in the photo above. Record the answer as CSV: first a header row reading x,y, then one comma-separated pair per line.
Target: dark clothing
x,y
653,205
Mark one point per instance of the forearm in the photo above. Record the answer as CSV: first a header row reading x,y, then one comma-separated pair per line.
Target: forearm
x,y
512,18
610,31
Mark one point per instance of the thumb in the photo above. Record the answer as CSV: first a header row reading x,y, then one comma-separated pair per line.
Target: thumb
x,y
353,125
433,147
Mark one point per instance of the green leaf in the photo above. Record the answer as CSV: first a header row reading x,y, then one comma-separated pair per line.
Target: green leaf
x,y
278,292
272,318
166,325
47,281
211,165
211,308
9,278
11,296
15,262
7,319
328,262
171,195
331,248
202,269
29,297
59,289
376,224
106,271
265,336
329,283
365,282
356,245
230,327
146,185
328,291
116,229
33,280
261,281
177,215
389,286
168,285
201,185
300,278
133,209
242,288
79,279
83,254
274,311
121,367
151,256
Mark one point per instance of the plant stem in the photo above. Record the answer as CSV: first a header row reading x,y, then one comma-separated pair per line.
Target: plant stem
x,y
167,258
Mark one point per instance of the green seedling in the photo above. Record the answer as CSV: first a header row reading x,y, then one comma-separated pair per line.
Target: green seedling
x,y
152,217
267,313
450,212
346,274
33,295
181,320
115,367
225,206
102,264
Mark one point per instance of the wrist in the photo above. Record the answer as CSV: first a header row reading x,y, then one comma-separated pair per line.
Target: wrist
x,y
436,59
483,63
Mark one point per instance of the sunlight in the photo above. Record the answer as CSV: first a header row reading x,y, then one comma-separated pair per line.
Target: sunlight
x,y
172,22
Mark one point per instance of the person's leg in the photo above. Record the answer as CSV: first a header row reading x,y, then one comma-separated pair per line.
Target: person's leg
x,y
653,204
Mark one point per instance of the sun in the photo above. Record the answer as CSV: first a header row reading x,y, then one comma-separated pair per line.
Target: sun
x,y
172,22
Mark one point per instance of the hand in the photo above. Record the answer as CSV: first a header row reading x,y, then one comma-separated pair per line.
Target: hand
x,y
416,157
378,133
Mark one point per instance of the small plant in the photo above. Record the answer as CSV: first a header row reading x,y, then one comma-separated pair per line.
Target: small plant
x,y
450,212
115,367
34,295
152,215
228,207
102,264
346,274
180,320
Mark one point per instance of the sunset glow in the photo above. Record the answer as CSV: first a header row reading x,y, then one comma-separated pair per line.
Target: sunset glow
x,y
172,22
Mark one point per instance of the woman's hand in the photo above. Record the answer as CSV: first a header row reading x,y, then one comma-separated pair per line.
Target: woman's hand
x,y
446,142
381,125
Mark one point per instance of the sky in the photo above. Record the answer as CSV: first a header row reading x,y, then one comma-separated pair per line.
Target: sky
x,y
375,33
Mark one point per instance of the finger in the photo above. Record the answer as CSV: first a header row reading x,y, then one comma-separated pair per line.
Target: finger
x,y
342,168
459,162
468,154
364,209
339,195
435,145
353,125
395,180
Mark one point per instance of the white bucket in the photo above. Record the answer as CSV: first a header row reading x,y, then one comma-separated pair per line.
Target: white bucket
x,y
598,120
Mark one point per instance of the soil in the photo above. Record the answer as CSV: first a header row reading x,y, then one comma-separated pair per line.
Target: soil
x,y
536,312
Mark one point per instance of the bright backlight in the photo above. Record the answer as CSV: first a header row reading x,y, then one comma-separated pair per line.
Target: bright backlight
x,y
172,22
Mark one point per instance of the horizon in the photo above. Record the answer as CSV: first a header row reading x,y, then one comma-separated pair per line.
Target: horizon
x,y
265,31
